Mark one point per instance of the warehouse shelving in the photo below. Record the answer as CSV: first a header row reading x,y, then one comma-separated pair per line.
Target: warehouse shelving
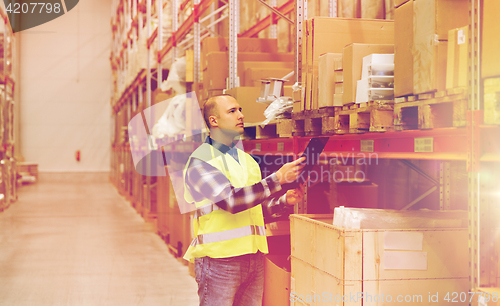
x,y
476,144
7,84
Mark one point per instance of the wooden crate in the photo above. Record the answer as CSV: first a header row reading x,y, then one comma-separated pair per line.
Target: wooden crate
x,y
329,263
372,116
432,110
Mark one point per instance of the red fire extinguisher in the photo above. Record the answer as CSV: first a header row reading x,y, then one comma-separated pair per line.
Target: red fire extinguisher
x,y
77,155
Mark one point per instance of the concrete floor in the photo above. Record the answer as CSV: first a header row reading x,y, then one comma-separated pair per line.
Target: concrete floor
x,y
73,240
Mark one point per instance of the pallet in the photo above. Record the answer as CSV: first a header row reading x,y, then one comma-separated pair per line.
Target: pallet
x,y
284,128
256,131
444,109
313,122
410,98
373,116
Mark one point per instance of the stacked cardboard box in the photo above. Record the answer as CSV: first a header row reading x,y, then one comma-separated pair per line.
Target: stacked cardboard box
x,y
425,47
326,80
403,48
331,35
215,68
352,63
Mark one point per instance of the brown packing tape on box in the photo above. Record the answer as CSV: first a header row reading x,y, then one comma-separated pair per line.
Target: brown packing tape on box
x,y
353,62
326,79
403,46
247,97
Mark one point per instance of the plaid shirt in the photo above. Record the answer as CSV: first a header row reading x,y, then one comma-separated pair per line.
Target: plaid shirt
x,y
208,182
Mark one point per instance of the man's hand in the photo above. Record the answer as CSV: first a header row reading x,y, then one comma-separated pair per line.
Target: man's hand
x,y
294,196
289,172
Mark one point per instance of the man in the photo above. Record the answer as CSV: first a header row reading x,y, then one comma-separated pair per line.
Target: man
x,y
231,199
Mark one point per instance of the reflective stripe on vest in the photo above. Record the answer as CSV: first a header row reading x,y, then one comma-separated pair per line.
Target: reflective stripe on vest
x,y
229,234
205,210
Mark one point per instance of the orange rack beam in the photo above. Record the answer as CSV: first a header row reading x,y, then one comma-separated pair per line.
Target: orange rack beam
x,y
264,23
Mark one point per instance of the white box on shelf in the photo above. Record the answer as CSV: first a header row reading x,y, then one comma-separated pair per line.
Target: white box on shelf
x,y
375,59
362,91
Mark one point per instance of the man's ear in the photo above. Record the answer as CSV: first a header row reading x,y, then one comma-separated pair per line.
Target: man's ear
x,y
213,121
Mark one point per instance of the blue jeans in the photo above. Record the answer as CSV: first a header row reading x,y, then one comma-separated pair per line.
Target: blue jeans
x,y
230,281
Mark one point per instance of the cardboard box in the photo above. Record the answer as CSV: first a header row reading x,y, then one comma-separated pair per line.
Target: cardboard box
x,y
331,35
403,50
429,67
486,297
366,260
245,44
326,80
252,76
247,97
353,62
490,65
398,3
432,19
276,280
217,66
270,69
458,56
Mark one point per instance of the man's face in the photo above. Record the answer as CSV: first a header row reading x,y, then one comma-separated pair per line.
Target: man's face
x,y
230,117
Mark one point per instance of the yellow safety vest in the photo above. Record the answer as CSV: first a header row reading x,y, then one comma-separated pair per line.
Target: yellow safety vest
x,y
219,233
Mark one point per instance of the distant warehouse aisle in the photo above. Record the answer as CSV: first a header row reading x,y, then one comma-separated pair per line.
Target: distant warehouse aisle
x,y
71,239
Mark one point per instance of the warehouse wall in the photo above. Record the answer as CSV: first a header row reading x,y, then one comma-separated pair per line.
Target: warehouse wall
x,y
65,90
